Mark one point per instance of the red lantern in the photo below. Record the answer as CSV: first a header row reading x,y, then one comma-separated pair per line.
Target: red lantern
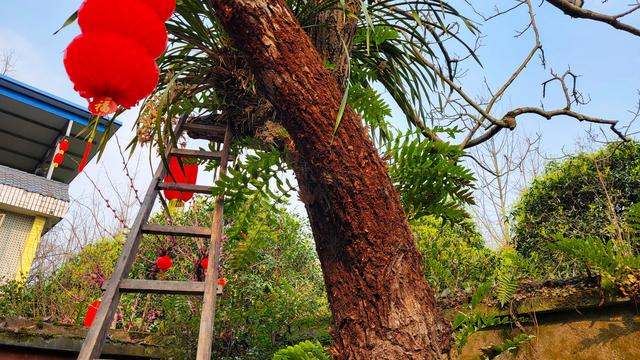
x,y
133,19
57,159
204,263
92,310
185,174
222,281
64,145
163,8
164,263
109,69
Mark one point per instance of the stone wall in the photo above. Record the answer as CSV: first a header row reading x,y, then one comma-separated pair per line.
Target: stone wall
x,y
607,333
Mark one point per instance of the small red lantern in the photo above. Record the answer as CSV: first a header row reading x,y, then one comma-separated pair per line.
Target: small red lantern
x,y
92,310
109,70
185,174
164,263
58,159
133,19
64,145
222,281
204,263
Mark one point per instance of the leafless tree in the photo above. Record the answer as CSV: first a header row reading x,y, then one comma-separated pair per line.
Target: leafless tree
x,y
7,62
104,212
477,113
504,166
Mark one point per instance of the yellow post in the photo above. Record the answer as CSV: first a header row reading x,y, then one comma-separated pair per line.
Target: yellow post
x,y
30,247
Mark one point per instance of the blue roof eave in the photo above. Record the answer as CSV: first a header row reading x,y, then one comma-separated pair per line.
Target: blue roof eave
x,y
47,102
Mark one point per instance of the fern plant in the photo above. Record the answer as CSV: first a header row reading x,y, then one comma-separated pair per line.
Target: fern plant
x,y
507,275
305,350
429,178
471,321
614,267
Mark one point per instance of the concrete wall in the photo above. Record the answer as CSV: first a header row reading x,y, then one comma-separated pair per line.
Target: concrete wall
x,y
609,333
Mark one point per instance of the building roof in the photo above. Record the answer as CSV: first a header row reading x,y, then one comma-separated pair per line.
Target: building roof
x,y
31,123
34,184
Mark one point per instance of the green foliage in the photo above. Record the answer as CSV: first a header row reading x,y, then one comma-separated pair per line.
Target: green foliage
x,y
453,254
305,350
274,296
633,222
257,174
471,320
507,276
509,345
429,178
604,258
569,199
64,295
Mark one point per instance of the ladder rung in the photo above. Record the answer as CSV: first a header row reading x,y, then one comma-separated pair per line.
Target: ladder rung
x,y
200,154
209,129
191,231
162,287
200,189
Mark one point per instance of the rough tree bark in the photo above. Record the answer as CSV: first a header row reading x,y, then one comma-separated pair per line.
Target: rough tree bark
x,y
382,306
333,37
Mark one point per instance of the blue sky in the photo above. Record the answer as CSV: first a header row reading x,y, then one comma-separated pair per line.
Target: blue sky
x,y
607,59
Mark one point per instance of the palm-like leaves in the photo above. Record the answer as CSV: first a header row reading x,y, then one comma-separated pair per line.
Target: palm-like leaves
x,y
395,39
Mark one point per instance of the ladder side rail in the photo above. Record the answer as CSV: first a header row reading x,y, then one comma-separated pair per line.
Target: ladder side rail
x,y
96,336
207,317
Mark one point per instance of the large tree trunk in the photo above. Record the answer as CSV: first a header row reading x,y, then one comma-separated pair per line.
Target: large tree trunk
x,y
382,306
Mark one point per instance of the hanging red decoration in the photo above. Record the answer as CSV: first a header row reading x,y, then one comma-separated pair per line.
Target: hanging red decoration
x,y
164,263
92,310
85,156
204,263
185,174
222,281
58,159
64,145
133,19
163,8
112,63
109,69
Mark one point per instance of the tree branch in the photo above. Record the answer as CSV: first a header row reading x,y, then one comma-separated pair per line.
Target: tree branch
x,y
578,12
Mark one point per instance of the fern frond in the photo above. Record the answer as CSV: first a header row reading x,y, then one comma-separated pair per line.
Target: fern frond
x,y
305,350
507,286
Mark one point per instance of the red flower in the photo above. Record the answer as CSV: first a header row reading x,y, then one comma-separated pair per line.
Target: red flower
x,y
57,159
64,145
107,67
133,19
222,281
91,313
204,263
164,8
187,174
164,263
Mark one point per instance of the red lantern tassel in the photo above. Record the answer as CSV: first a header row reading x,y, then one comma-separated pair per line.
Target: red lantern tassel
x,y
85,156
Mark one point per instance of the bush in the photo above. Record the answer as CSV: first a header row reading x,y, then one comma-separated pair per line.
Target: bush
x,y
570,199
274,296
454,255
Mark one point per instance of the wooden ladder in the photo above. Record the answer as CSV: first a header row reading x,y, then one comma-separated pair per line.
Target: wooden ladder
x,y
119,283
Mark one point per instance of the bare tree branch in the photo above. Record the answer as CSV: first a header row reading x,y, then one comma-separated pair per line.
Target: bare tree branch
x,y
574,11
7,62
